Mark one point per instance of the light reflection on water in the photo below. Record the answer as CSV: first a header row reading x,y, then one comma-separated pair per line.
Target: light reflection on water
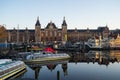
x,y
94,65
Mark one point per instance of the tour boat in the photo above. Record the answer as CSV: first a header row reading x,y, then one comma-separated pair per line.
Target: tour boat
x,y
45,56
9,68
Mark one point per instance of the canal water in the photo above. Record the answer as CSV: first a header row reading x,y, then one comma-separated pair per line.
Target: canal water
x,y
93,65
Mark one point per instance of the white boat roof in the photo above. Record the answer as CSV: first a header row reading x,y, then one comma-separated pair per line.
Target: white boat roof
x,y
2,61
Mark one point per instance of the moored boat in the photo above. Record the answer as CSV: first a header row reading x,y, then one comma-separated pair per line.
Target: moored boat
x,y
9,68
45,56
99,43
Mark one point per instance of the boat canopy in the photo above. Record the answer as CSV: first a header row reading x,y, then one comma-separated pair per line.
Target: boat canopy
x,y
49,49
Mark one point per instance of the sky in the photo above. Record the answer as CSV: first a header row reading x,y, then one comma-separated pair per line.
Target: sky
x,y
80,14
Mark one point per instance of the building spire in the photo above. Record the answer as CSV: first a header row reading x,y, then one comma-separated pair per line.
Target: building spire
x,y
37,22
106,25
38,18
64,22
51,21
64,18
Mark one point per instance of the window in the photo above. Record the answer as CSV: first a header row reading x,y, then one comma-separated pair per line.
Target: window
x,y
42,34
50,33
59,34
46,33
55,33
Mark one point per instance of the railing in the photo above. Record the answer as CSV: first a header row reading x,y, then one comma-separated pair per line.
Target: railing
x,y
46,55
10,66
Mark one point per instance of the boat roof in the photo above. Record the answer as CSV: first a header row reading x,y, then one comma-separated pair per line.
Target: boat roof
x,y
2,61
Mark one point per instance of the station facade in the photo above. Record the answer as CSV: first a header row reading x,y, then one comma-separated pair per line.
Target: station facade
x,y
52,33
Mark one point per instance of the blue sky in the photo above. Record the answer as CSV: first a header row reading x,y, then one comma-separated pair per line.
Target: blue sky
x,y
80,14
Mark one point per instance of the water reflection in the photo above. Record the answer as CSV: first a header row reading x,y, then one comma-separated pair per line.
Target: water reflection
x,y
50,66
101,57
86,68
64,67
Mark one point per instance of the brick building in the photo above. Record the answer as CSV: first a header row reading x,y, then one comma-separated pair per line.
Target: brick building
x,y
52,33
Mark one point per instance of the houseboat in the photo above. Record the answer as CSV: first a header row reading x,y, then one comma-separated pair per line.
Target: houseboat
x,y
9,68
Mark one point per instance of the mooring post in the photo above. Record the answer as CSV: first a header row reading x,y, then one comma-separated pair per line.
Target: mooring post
x,y
58,75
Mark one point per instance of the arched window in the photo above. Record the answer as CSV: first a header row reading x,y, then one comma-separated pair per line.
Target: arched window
x,y
50,33
46,33
59,34
55,33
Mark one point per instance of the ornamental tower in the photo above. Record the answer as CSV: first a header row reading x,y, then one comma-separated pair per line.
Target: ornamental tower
x,y
64,30
37,31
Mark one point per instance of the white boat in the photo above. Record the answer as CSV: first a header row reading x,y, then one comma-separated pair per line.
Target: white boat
x,y
105,43
9,68
45,56
2,61
97,43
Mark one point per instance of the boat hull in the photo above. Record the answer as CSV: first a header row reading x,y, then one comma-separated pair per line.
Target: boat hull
x,y
46,59
12,73
9,68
